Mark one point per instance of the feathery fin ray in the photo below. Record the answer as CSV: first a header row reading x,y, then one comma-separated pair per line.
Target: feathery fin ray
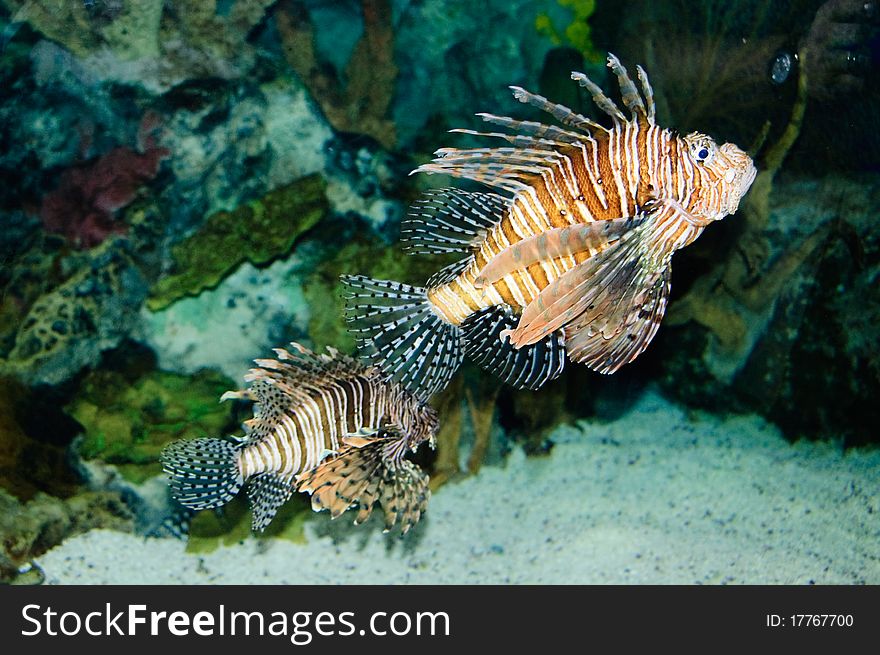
x,y
399,332
553,243
528,367
362,475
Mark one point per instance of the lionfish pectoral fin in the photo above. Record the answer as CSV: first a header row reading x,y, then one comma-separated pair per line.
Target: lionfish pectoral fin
x,y
628,329
450,220
553,243
529,367
359,475
266,493
596,287
405,496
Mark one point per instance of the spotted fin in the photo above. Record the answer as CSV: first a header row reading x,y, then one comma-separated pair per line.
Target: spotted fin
x,y
266,493
604,349
450,220
203,473
610,306
363,473
398,331
529,367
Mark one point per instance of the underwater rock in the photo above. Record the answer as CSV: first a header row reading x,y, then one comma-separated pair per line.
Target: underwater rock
x,y
150,42
235,141
249,312
802,339
449,55
30,268
256,232
70,325
30,529
82,207
365,181
127,422
33,451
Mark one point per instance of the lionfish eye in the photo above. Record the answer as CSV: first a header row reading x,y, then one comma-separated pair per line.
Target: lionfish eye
x,y
702,154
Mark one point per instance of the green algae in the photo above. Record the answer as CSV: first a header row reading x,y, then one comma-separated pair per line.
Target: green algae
x,y
232,525
128,423
576,34
258,232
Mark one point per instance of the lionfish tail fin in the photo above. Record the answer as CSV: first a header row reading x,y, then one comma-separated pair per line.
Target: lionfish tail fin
x,y
398,331
528,367
361,474
203,473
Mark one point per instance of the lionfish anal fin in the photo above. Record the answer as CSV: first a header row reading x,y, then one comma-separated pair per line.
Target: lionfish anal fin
x,y
528,367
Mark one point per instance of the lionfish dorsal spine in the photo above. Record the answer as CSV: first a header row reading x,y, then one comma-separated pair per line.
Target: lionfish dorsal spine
x,y
648,92
560,112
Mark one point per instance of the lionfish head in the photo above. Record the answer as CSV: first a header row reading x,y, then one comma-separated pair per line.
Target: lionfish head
x,y
423,427
727,174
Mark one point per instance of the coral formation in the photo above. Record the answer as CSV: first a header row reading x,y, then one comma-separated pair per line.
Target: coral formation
x,y
256,232
30,529
70,325
82,206
448,403
481,400
150,42
362,101
740,293
127,423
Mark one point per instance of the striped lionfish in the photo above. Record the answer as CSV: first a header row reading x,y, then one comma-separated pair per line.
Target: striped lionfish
x,y
325,425
572,257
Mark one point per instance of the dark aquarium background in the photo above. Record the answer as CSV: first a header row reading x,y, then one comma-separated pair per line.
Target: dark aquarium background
x,y
183,182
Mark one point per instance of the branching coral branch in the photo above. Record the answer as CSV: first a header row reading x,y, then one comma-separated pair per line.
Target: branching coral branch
x,y
481,407
728,299
360,103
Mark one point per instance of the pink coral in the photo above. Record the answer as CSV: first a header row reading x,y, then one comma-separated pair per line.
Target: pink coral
x,y
82,207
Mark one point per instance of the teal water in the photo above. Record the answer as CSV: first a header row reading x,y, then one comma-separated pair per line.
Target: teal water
x,y
184,183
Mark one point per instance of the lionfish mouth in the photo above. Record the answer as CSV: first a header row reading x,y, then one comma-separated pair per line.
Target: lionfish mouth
x,y
745,182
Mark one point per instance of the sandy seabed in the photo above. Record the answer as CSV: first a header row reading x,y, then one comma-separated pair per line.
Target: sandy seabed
x,y
657,496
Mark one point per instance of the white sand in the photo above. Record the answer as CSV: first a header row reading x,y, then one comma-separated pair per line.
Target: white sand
x,y
652,497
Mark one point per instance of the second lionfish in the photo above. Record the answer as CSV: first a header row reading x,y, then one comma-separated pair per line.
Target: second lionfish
x,y
322,424
571,256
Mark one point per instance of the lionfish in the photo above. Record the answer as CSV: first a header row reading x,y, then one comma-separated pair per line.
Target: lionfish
x,y
570,257
322,424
